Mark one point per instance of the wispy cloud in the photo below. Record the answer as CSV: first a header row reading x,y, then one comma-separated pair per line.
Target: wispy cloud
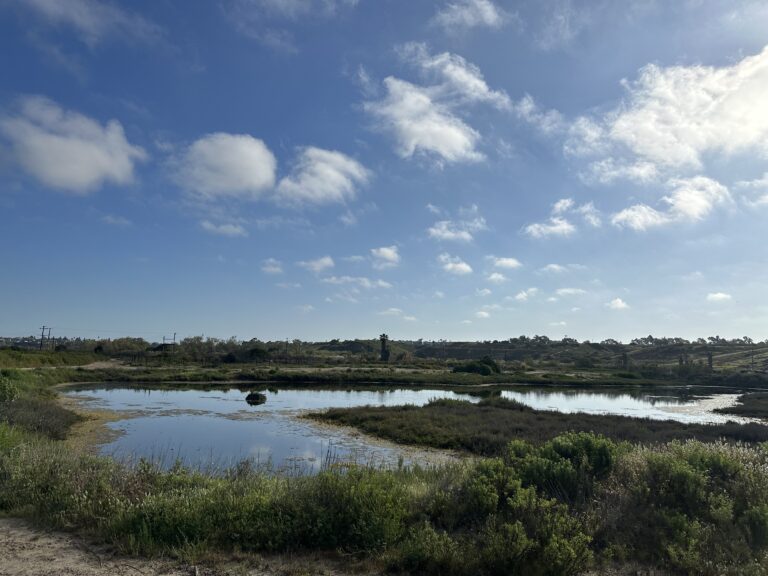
x,y
360,281
318,265
463,15
424,119
454,264
225,229
271,266
690,200
95,21
270,22
385,257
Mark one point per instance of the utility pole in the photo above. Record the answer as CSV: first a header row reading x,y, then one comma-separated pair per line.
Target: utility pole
x,y
49,334
42,336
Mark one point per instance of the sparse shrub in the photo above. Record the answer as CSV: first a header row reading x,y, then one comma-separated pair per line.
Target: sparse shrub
x,y
9,391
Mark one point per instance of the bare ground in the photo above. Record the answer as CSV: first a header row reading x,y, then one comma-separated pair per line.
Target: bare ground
x,y
28,551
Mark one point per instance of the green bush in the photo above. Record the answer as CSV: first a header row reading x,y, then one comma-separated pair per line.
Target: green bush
x,y
485,367
9,391
694,507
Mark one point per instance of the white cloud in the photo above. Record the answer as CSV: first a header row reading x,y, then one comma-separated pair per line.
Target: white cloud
x,y
483,292
360,281
506,263
454,264
96,21
554,268
448,230
555,226
525,295
222,165
562,206
456,79
718,297
67,150
461,231
421,125
590,214
558,223
424,119
318,265
231,230
482,314
690,200
322,177
570,291
385,257
271,266
466,14
756,189
549,122
305,308
674,118
695,198
496,278
639,217
617,304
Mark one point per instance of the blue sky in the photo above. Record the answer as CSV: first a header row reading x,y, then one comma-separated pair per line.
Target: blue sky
x,y
458,169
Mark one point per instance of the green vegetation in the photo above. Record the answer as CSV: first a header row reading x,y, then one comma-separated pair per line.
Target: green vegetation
x,y
552,494
10,358
486,366
753,405
486,428
559,508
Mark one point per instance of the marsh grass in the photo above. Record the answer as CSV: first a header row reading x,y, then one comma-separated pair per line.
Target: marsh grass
x,y
556,505
753,405
486,428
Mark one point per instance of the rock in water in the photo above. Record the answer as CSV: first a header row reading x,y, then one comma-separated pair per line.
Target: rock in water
x,y
256,398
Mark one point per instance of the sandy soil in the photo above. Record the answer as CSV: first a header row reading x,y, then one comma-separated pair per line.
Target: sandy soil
x,y
28,551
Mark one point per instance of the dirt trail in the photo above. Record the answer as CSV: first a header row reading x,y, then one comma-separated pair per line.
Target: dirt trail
x,y
28,551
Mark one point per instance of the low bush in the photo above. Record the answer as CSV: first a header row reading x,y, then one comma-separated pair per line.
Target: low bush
x,y
695,508
39,415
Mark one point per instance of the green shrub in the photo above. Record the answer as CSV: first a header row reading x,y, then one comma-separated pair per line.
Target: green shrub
x,y
42,416
9,391
694,507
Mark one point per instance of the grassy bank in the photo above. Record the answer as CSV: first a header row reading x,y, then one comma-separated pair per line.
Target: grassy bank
x,y
753,405
10,358
557,505
486,428
571,503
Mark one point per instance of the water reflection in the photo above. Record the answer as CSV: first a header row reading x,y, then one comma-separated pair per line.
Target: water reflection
x,y
218,428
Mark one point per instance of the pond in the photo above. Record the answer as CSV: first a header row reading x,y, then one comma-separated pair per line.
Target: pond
x,y
217,428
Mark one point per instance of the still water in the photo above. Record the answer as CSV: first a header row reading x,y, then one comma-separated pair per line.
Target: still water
x,y
218,428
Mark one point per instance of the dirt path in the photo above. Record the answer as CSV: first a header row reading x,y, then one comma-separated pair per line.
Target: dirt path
x,y
28,551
